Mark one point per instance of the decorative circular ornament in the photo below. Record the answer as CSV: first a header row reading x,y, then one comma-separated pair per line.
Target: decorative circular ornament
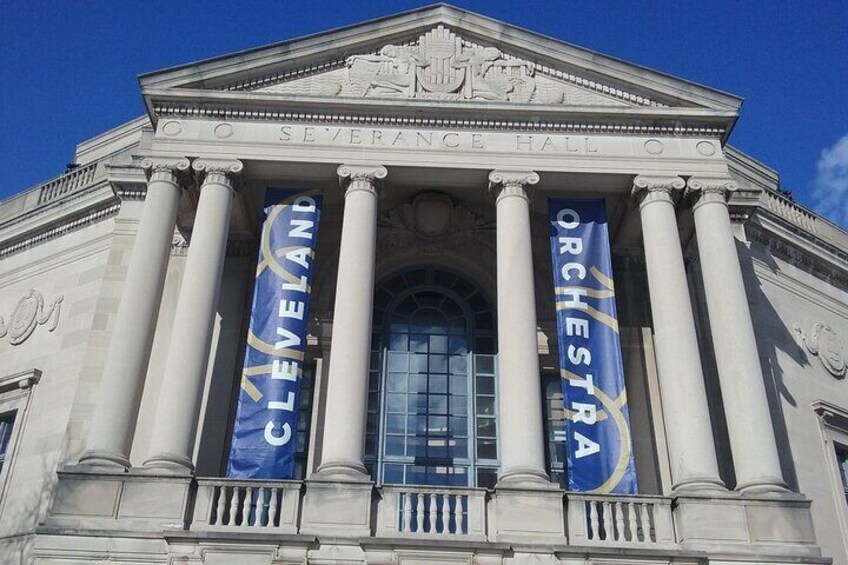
x,y
23,320
654,146
705,148
223,131
830,349
432,213
172,128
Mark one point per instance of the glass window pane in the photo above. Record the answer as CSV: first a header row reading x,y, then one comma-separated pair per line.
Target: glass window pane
x,y
437,448
485,345
398,342
458,345
395,423
398,361
439,384
486,427
487,449
418,363
416,475
485,406
438,404
459,364
459,426
459,405
459,448
438,344
417,424
396,382
438,363
394,445
485,385
418,343
459,384
485,364
417,382
393,474
396,402
416,446
417,403
437,425
487,478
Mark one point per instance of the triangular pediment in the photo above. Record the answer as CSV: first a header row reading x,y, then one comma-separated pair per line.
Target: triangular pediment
x,y
439,59
442,65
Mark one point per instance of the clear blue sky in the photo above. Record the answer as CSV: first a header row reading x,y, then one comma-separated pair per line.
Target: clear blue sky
x,y
69,68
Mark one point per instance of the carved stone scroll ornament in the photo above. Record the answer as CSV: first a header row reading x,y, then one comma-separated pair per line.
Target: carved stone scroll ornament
x,y
28,314
824,343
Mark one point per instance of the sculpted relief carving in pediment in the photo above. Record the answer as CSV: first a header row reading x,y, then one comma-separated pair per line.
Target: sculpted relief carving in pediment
x,y
441,66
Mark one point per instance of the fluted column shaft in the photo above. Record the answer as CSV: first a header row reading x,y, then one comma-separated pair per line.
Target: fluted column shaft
x,y
685,410
347,380
746,408
113,423
177,410
519,389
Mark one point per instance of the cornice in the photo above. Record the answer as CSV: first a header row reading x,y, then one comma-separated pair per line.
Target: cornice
x,y
831,414
20,380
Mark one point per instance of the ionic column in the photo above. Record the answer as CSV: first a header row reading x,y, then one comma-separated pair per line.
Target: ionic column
x,y
177,410
746,408
519,389
684,399
113,423
347,379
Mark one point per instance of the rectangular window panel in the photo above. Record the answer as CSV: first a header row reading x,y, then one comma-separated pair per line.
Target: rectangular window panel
x,y
7,421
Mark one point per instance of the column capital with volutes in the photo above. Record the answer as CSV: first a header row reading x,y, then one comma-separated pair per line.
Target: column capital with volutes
x,y
361,176
217,171
173,170
507,183
710,189
651,188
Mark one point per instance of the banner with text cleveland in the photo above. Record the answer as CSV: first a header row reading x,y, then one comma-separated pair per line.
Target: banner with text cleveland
x,y
598,444
265,431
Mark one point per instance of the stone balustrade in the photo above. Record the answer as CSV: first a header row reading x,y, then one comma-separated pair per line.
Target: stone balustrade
x,y
66,183
235,505
618,521
432,511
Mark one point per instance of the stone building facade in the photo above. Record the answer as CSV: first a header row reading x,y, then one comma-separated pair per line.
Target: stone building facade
x,y
435,138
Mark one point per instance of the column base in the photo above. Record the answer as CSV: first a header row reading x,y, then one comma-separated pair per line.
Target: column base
x,y
169,463
105,459
341,471
701,485
526,478
763,487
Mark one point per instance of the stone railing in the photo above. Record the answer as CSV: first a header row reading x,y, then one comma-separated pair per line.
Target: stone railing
x,y
618,521
432,511
238,505
66,183
789,210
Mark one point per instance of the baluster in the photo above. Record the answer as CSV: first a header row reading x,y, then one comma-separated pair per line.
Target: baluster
x,y
419,526
619,522
222,503
631,522
272,508
444,518
608,532
259,507
407,512
646,524
433,514
234,504
245,507
593,520
460,514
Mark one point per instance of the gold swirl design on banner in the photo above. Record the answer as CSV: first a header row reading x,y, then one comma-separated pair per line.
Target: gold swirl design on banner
x,y
601,293
615,410
267,260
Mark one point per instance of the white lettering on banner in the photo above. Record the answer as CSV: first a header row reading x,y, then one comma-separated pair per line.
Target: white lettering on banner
x,y
291,309
583,412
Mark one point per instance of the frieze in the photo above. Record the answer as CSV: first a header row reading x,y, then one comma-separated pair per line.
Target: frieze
x,y
28,314
825,344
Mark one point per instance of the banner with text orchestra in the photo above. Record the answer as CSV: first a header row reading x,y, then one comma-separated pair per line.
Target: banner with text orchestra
x,y
598,446
265,430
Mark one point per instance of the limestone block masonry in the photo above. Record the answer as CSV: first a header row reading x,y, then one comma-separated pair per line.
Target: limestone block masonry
x,y
125,299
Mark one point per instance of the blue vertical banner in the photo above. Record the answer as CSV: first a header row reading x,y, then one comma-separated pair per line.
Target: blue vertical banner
x,y
598,447
264,439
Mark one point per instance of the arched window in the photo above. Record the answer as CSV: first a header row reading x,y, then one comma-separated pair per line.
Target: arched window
x,y
432,415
